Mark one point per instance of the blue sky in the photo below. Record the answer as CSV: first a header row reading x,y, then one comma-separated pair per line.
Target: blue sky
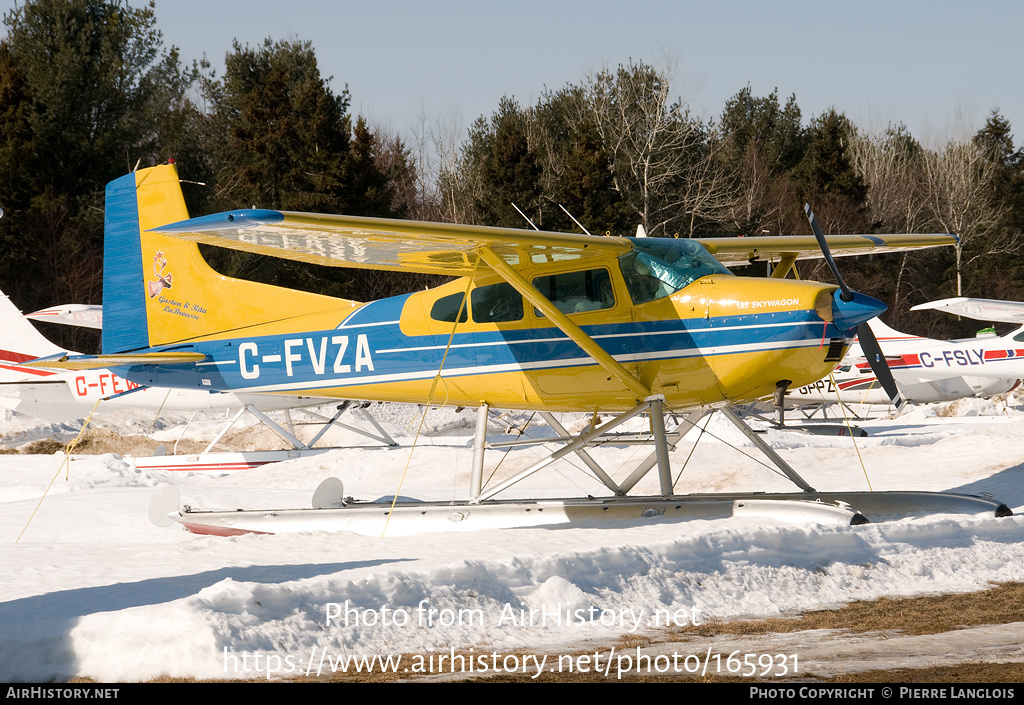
x,y
936,66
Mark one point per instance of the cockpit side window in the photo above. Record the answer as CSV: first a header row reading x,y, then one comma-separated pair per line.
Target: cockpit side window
x,y
659,267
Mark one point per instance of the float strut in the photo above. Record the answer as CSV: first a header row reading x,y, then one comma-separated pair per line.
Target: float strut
x,y
572,447
672,439
479,445
766,449
660,443
583,454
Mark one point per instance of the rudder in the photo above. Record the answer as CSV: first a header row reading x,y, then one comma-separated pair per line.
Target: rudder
x,y
159,290
124,305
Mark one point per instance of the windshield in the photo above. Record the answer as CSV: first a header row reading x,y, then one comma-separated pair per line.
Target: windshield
x,y
659,267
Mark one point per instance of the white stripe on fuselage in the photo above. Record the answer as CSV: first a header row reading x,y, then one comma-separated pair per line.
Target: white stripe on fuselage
x,y
524,367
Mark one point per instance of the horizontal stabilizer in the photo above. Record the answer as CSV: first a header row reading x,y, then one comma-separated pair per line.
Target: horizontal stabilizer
x,y
734,251
92,362
83,315
19,386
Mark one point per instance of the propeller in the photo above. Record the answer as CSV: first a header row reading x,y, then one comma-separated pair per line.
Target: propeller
x,y
850,311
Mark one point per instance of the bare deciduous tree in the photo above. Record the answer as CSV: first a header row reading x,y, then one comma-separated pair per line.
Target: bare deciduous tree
x,y
439,176
959,199
893,166
663,161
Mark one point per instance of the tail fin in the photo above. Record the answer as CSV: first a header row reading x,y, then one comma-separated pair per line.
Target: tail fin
x,y
21,340
159,290
884,332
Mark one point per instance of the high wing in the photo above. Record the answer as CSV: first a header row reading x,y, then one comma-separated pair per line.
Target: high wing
x,y
444,248
459,250
978,309
733,251
381,243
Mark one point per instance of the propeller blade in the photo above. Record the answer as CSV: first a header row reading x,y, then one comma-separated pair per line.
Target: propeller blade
x,y
847,295
879,365
855,310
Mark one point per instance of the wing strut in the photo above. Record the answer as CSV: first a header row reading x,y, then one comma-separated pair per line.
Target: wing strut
x,y
575,333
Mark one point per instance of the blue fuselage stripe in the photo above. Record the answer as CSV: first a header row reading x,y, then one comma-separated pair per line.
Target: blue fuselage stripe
x,y
371,348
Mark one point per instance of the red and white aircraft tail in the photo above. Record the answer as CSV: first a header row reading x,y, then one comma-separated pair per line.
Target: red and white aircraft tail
x,y
47,394
21,341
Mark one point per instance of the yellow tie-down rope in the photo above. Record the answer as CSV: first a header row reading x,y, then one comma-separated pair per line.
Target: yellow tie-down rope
x,y
850,429
430,394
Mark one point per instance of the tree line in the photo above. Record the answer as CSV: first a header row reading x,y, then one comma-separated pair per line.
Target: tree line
x,y
88,90
617,153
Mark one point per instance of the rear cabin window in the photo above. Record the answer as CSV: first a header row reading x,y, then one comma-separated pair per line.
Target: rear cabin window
x,y
447,308
497,303
577,292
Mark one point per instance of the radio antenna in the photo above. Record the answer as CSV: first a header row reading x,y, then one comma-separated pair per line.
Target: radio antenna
x,y
527,219
573,219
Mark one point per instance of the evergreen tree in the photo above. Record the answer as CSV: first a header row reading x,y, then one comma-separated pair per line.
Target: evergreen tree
x,y
995,140
371,190
577,169
763,125
505,167
587,190
763,143
279,137
285,133
1006,184
826,178
85,86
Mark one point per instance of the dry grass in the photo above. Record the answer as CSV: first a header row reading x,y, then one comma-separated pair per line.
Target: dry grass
x,y
1002,604
105,440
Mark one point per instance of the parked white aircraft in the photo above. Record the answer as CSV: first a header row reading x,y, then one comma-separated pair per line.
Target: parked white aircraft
x,y
928,370
979,309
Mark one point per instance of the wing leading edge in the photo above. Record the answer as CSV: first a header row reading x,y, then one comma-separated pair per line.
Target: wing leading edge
x,y
733,251
978,309
445,248
380,243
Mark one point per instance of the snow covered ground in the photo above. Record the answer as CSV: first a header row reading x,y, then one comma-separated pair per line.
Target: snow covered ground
x,y
92,588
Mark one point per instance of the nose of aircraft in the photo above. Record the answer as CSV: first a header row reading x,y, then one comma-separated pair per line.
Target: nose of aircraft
x,y
847,315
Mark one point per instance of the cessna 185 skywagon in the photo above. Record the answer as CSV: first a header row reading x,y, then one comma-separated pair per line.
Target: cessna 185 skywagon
x,y
536,320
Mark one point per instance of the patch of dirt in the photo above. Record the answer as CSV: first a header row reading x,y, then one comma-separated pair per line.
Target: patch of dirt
x,y
107,440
